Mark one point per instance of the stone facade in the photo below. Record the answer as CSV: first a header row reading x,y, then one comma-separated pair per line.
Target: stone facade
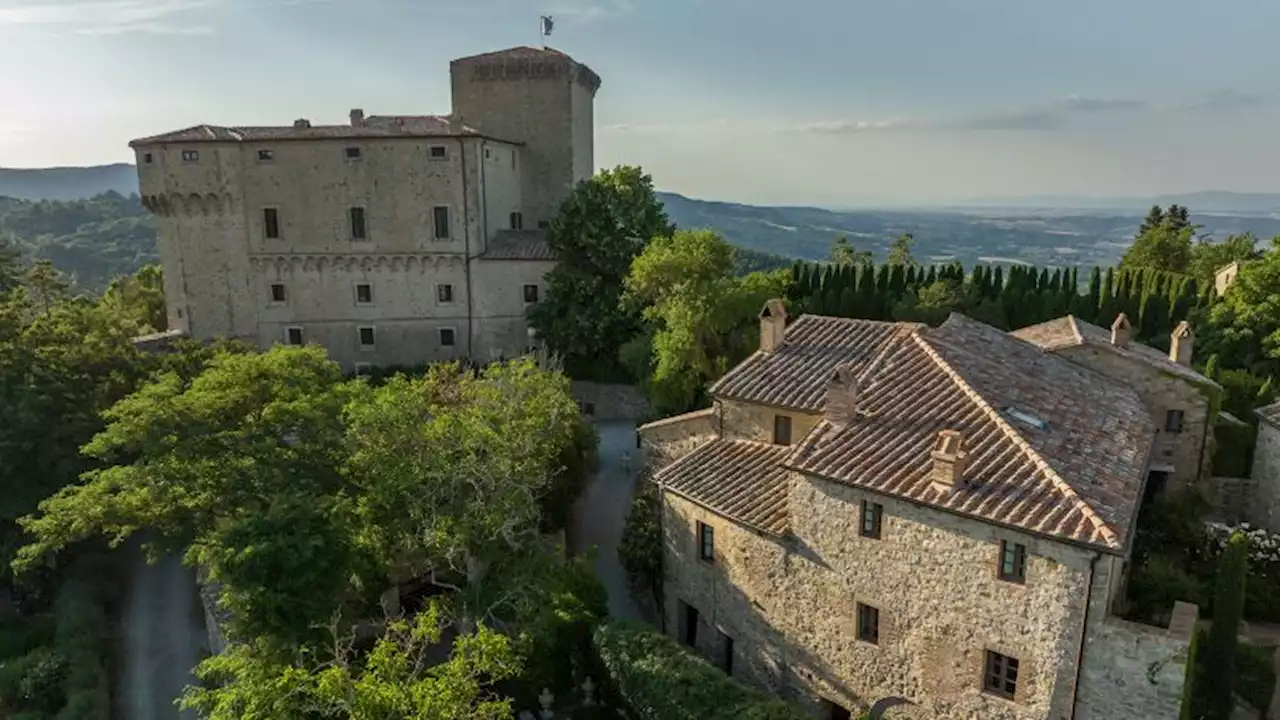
x,y
379,240
665,441
1265,504
1225,277
610,401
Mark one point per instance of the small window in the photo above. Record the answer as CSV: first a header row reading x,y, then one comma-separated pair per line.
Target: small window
x,y
440,220
147,159
271,223
358,229
293,335
706,543
190,156
488,153
872,515
1173,421
587,408
781,429
266,155
517,221
444,294
446,337
543,224
353,153
438,152
868,624
531,293
1001,677
364,294
366,338
690,622
363,368
726,653
277,293
1013,562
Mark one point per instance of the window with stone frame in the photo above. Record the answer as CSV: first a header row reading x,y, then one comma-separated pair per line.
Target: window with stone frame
x,y
359,231
293,335
872,519
868,624
364,293
353,153
190,156
1001,675
444,294
781,429
440,221
278,294
1013,562
1173,421
438,152
147,158
271,223
706,543
531,293
447,337
367,340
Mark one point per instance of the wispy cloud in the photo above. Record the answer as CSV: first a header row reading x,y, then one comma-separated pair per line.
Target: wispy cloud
x,y
109,17
1048,116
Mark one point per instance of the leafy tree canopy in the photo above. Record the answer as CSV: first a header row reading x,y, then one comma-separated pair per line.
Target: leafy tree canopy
x,y
900,250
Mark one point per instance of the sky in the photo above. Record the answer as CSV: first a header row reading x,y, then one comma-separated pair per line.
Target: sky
x,y
817,102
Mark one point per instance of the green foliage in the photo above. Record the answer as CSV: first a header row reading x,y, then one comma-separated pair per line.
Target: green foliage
x,y
140,298
657,679
843,253
1192,678
752,261
250,682
1233,449
640,550
702,316
1208,256
1220,650
1255,674
900,250
600,228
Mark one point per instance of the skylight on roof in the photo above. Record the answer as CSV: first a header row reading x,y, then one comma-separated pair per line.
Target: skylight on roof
x,y
1026,418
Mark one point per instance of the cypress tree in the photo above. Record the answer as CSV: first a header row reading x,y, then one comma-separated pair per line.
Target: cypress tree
x,y
1106,300
1089,310
868,297
1220,651
997,283
1211,367
882,282
1044,280
897,282
848,303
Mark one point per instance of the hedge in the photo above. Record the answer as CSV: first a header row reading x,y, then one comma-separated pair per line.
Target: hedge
x,y
657,679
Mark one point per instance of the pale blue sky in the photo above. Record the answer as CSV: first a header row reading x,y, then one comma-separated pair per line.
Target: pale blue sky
x,y
808,101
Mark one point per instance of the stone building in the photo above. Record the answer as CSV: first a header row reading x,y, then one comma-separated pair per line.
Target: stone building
x,y
1225,276
1264,505
390,240
1182,402
875,510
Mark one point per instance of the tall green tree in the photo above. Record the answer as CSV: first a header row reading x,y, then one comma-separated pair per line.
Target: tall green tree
x,y
600,228
1207,256
844,254
140,298
11,271
900,250
46,285
1220,651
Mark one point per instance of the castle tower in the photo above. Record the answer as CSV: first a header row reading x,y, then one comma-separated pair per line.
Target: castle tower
x,y
541,98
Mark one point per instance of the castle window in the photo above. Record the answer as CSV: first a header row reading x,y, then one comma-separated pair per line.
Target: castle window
x,y
444,294
146,158
706,543
358,229
781,429
517,221
868,624
488,153
364,294
271,223
266,155
1173,421
1013,562
440,221
277,293
1001,677
293,335
438,152
190,156
353,153
531,293
366,338
447,337
872,519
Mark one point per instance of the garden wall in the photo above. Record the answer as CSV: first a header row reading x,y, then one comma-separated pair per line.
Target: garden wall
x,y
601,401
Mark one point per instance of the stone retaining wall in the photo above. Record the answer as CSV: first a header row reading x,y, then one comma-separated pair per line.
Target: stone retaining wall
x,y
665,441
610,402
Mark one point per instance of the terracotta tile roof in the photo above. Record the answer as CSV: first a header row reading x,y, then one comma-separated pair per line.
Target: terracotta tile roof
x,y
1269,413
373,127
1054,448
519,245
795,375
1070,331
742,480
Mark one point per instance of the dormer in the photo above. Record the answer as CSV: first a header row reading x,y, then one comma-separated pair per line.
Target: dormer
x,y
773,325
949,459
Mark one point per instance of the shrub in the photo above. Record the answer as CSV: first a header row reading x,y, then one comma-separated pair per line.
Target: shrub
x,y
657,679
640,550
1255,674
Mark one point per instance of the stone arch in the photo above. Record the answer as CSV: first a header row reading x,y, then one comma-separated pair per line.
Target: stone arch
x,y
229,202
366,264
309,264
213,204
195,204
397,264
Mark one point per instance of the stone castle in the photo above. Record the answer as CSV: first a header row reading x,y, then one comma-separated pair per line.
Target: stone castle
x,y
391,240
946,515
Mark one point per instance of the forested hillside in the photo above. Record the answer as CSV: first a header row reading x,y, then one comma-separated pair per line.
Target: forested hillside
x,y
67,183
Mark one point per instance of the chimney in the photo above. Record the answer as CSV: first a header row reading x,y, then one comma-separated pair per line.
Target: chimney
x,y
1121,331
1181,344
301,124
357,118
949,459
773,325
841,401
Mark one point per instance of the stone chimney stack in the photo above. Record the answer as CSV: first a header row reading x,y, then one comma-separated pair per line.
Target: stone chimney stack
x,y
949,460
1181,344
841,401
773,325
1121,331
357,118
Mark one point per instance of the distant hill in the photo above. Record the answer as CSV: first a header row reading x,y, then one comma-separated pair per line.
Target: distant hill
x,y
67,183
1204,201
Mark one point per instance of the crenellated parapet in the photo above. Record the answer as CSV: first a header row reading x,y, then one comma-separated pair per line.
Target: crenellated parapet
x,y
189,205
419,262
